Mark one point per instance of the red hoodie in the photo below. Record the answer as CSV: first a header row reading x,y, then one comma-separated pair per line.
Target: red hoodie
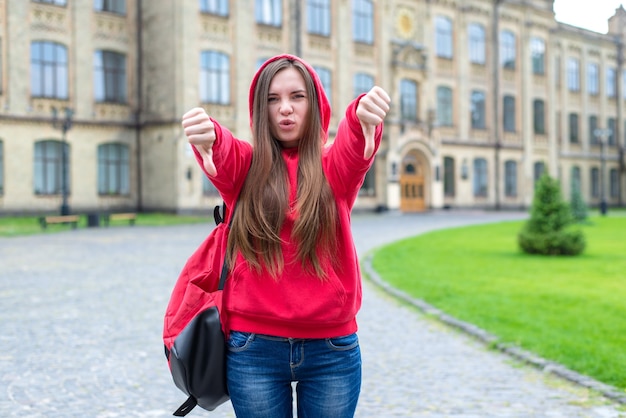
x,y
298,304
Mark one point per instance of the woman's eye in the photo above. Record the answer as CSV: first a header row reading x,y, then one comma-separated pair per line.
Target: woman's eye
x,y
272,99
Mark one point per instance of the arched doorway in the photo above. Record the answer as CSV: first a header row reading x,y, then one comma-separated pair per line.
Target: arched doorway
x,y
412,193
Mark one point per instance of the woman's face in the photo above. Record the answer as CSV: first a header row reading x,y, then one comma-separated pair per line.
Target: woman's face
x,y
288,106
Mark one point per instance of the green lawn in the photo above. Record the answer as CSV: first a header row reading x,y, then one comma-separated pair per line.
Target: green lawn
x,y
28,225
571,310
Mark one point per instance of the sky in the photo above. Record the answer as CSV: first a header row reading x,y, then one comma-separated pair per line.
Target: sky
x,y
588,14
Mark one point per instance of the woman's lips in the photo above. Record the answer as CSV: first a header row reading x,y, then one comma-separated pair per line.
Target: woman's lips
x,y
287,124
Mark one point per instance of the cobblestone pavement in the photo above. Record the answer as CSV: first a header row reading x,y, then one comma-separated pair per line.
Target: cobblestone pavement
x,y
81,317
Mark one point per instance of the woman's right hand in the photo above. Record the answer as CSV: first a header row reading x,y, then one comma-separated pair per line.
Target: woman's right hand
x,y
200,132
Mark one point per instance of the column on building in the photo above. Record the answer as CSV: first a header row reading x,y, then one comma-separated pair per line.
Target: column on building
x,y
527,97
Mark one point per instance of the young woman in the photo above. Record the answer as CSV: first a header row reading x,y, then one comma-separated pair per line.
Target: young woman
x,y
294,288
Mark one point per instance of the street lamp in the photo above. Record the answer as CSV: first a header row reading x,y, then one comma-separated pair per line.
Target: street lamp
x,y
497,121
64,125
602,137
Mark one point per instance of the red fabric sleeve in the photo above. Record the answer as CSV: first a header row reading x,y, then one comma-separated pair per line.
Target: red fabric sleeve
x,y
344,164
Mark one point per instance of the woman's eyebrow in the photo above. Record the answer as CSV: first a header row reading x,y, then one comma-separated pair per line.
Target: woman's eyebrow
x,y
273,93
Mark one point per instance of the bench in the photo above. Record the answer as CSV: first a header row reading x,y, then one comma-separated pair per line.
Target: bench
x,y
65,219
130,217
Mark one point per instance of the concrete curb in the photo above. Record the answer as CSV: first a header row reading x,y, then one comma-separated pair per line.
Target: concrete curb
x,y
490,340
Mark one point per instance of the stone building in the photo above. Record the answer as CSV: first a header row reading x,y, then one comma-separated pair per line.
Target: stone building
x,y
486,96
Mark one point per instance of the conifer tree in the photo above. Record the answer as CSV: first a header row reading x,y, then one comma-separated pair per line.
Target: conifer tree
x,y
578,205
549,229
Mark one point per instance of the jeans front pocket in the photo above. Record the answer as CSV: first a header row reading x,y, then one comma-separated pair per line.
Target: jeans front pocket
x,y
240,341
344,343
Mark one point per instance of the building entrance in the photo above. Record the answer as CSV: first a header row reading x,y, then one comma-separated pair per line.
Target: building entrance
x,y
412,193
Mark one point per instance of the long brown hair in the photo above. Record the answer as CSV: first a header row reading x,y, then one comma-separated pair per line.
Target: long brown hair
x,y
264,198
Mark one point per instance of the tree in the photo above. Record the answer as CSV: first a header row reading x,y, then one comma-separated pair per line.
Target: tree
x,y
549,230
578,205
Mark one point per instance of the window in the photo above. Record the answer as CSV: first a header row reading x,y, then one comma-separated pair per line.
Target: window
x,y
260,62
538,169
318,17
573,128
48,70
510,178
507,49
208,188
109,77
113,169
593,79
443,37
326,79
444,106
539,117
368,188
363,21
480,177
1,168
576,178
611,85
113,6
408,100
362,83
508,114
448,177
49,167
593,125
573,74
611,126
624,84
477,43
214,77
216,7
55,2
614,179
595,182
538,55
269,12
477,106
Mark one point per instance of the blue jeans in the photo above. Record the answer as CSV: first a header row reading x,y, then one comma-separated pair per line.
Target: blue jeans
x,y
261,368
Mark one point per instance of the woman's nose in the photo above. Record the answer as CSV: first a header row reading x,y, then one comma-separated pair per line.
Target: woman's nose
x,y
285,107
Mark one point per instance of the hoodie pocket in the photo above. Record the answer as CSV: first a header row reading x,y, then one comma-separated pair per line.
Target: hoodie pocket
x,y
301,299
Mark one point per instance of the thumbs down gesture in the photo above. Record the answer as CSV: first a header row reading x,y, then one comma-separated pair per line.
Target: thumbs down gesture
x,y
200,132
371,112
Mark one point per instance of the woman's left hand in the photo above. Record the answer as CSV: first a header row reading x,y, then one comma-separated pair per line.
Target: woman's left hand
x,y
371,112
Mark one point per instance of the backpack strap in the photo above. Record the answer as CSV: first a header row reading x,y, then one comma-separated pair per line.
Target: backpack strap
x,y
186,407
225,267
217,215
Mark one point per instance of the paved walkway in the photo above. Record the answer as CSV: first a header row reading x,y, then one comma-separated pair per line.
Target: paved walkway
x,y
81,316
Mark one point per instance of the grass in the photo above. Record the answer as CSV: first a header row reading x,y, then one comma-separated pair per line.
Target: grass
x,y
29,225
571,310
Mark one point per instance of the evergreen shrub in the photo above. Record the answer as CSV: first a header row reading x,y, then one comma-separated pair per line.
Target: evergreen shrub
x,y
578,206
550,231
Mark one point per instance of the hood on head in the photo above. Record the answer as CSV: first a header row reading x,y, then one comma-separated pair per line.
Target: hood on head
x,y
325,111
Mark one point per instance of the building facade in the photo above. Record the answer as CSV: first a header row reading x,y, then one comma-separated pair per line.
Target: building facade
x,y
486,96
